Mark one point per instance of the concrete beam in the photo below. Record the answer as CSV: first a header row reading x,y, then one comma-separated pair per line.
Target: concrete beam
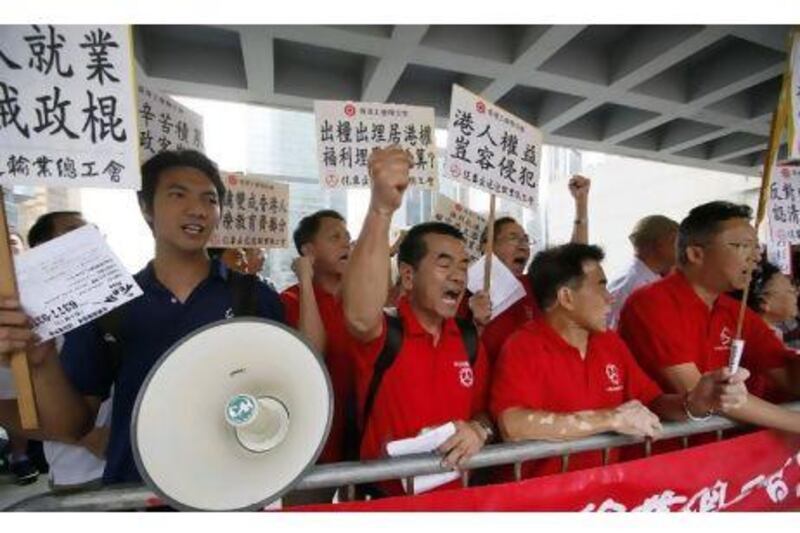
x,y
382,74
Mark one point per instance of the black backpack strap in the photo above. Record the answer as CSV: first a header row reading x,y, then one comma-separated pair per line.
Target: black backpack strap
x,y
244,293
469,336
391,347
110,325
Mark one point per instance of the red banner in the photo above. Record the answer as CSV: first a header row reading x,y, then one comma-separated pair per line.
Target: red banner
x,y
755,472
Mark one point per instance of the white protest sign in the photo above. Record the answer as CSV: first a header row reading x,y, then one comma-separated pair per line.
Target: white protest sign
x,y
348,131
67,112
469,222
255,213
779,253
783,208
793,120
492,150
164,124
70,281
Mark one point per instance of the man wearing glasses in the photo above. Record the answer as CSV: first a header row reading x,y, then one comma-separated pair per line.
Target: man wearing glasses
x,y
513,248
682,326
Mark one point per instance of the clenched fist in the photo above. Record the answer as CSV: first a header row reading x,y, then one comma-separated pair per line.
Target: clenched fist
x,y
579,187
389,169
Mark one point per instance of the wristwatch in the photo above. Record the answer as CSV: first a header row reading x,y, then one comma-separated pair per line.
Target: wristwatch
x,y
689,414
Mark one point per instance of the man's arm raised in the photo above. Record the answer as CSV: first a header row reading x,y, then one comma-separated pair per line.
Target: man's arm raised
x,y
366,282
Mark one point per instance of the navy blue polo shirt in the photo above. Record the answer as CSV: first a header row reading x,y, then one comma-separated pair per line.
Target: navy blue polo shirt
x,y
151,324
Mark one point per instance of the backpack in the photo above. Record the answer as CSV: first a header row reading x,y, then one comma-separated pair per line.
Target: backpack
x,y
394,341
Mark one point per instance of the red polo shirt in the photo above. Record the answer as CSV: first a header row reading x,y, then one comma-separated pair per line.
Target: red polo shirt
x,y
539,370
667,324
500,329
337,360
427,385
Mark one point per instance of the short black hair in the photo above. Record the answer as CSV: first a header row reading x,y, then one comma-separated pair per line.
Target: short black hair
x,y
556,267
413,247
758,282
153,167
702,224
42,229
309,226
498,225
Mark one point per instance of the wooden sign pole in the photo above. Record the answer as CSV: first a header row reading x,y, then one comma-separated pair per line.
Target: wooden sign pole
x,y
779,118
487,273
19,360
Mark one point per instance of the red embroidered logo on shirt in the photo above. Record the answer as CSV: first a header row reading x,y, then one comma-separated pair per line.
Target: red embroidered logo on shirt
x,y
724,339
465,374
612,373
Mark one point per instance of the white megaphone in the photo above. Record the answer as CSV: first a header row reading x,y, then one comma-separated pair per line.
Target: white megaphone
x,y
231,416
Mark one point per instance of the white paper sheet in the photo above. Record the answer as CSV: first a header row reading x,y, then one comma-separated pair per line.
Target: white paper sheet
x,y
505,289
427,442
72,280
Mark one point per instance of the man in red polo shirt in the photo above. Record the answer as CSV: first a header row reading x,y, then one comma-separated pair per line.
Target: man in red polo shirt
x,y
431,381
512,247
564,376
682,325
314,303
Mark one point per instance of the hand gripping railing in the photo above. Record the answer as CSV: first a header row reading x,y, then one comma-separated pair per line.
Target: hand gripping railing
x,y
348,474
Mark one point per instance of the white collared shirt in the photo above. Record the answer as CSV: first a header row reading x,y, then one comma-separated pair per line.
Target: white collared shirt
x,y
637,275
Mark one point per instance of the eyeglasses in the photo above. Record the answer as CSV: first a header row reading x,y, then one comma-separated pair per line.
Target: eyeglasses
x,y
743,249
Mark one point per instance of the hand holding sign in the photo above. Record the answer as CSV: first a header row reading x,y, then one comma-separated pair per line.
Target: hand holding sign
x,y
389,171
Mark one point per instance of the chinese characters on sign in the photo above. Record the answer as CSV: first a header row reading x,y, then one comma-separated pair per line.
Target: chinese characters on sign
x,y
783,208
492,150
348,131
780,254
164,124
717,497
469,222
72,280
67,113
255,214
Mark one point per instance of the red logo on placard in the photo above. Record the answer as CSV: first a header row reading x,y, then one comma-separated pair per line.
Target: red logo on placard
x,y
481,107
349,110
232,180
331,180
458,207
785,172
455,170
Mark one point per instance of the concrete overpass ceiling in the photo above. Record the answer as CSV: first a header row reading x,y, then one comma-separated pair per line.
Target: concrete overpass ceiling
x,y
695,95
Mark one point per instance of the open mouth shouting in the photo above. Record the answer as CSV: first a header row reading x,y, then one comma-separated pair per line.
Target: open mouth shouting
x,y
452,296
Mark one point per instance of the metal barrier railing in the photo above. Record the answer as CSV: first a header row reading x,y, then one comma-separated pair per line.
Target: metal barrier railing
x,y
348,474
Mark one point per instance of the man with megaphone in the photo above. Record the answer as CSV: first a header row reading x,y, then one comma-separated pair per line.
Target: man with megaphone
x,y
184,290
421,368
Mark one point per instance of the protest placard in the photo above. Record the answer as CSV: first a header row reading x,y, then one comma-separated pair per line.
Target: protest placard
x,y
469,222
67,112
348,131
492,150
783,208
255,214
164,124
